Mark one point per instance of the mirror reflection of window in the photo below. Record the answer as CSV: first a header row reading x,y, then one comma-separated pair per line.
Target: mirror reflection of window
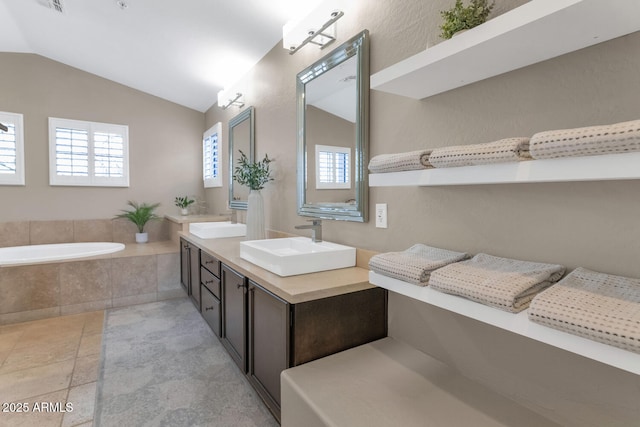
x,y
333,169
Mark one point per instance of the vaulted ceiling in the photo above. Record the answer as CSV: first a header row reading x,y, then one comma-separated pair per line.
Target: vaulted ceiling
x,y
183,51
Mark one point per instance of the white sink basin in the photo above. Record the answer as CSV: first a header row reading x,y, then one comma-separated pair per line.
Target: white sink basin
x,y
216,230
297,255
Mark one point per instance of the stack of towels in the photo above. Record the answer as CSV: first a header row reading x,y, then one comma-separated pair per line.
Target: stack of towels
x,y
415,264
621,137
597,306
503,283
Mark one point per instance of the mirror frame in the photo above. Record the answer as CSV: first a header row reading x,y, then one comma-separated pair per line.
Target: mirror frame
x,y
247,114
356,46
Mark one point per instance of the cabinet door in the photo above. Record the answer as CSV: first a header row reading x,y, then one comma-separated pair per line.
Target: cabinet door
x,y
194,275
234,315
268,344
211,309
184,265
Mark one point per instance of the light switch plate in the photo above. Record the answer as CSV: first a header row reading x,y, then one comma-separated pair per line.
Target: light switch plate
x,y
381,215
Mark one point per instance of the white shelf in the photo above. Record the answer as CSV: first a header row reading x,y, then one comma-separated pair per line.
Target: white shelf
x,y
517,323
534,32
591,168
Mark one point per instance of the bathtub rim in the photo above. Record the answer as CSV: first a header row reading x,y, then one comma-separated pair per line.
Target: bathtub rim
x,y
107,249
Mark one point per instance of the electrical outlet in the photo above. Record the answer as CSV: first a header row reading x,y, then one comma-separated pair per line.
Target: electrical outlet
x,y
381,215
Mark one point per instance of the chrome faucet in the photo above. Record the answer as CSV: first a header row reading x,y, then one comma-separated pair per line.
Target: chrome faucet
x,y
315,227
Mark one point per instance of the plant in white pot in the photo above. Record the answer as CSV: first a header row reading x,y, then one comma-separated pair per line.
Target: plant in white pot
x,y
140,215
254,175
461,17
183,203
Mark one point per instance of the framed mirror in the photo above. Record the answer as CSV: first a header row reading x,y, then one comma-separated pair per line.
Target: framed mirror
x,y
241,138
333,133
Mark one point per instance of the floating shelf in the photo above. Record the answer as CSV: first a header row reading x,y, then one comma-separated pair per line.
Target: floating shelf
x,y
517,323
591,168
534,32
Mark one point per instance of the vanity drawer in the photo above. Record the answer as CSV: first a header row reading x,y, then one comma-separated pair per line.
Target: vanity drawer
x,y
210,262
210,281
211,310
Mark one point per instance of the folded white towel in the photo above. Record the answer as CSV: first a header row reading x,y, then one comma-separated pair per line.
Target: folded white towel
x,y
620,137
597,306
415,264
504,283
501,151
412,160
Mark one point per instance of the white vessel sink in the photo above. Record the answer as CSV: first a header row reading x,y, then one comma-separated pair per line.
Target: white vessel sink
x,y
297,255
216,230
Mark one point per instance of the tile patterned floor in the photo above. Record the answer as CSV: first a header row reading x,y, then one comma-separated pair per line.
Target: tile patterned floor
x,y
51,362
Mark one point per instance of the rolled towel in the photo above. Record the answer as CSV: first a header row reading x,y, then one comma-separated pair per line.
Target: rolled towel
x,y
412,160
504,150
504,283
597,306
621,137
415,264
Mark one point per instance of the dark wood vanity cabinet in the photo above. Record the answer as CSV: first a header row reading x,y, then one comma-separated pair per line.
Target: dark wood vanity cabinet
x,y
190,271
264,334
234,315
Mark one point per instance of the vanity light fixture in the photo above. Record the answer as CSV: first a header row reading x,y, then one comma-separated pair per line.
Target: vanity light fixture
x,y
317,28
225,100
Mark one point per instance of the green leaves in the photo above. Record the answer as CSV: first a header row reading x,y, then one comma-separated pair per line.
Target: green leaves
x,y
254,175
140,215
460,17
183,202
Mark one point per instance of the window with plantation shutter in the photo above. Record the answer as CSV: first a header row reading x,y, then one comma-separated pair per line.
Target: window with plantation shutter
x,y
211,155
88,153
11,149
333,167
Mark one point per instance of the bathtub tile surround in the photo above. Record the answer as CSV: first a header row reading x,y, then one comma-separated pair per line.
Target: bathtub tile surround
x,y
44,232
138,274
93,230
14,233
52,360
21,233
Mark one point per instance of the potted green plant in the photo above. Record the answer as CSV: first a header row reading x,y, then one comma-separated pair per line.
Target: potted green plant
x,y
183,203
140,215
461,17
254,175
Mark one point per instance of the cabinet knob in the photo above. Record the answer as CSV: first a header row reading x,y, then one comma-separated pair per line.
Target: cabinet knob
x,y
208,282
208,308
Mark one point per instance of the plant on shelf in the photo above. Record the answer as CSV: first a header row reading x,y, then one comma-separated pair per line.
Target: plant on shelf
x,y
183,203
254,175
461,17
140,215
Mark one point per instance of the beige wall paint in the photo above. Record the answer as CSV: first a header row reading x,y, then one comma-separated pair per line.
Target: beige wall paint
x,y
165,141
591,224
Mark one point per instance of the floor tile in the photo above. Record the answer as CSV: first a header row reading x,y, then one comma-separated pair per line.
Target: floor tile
x,y
38,355
35,381
8,340
86,370
90,344
83,399
44,336
36,417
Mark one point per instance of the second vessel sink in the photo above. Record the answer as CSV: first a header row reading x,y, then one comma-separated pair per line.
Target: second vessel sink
x,y
297,255
216,230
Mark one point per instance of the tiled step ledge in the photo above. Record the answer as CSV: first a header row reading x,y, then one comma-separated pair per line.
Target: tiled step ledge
x,y
516,323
